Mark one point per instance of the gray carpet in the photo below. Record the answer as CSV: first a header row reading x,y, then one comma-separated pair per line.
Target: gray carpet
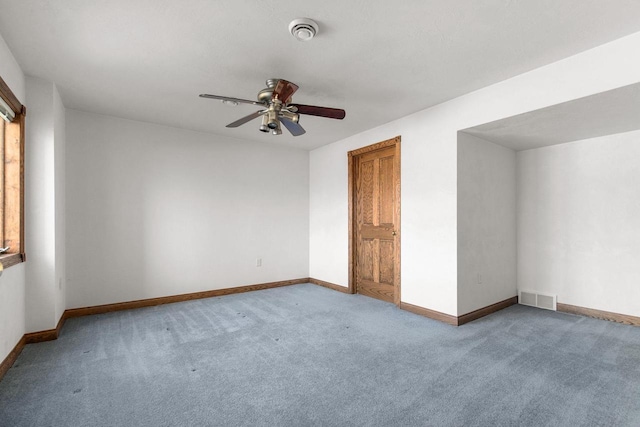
x,y
304,355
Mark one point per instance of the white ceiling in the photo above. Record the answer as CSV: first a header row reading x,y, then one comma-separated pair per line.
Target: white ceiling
x,y
379,60
606,113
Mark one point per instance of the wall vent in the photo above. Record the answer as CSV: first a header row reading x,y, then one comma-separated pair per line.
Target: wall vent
x,y
548,302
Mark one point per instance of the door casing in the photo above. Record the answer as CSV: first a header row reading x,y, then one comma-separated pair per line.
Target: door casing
x,y
352,157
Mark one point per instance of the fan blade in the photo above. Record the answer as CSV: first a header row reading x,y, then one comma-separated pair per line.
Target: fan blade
x,y
293,127
245,119
313,110
230,99
284,91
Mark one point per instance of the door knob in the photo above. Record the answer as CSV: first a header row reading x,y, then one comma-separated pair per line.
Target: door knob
x,y
393,233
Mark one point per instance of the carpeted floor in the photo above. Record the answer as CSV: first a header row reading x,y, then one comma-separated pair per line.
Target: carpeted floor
x,y
304,355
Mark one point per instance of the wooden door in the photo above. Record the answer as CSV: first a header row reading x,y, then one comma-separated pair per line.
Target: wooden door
x,y
376,220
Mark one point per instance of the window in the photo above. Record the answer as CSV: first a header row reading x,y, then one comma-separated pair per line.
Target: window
x,y
12,116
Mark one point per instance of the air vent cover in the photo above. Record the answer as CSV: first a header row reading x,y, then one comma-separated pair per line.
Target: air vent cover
x,y
548,302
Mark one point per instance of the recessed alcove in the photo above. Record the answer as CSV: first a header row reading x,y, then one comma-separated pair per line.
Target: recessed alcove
x,y
560,185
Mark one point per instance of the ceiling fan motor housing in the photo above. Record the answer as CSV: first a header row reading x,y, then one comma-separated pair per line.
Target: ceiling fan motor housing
x,y
266,94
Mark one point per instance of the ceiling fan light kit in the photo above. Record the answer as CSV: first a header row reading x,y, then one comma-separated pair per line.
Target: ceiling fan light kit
x,y
303,29
278,109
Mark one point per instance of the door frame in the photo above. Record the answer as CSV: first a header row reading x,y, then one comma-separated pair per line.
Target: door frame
x,y
351,156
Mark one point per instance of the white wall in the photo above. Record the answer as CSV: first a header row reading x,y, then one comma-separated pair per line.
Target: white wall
x,y
60,200
11,72
328,214
44,197
579,222
486,223
423,201
429,163
155,211
12,282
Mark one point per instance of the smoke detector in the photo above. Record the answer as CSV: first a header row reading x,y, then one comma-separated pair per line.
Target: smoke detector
x,y
303,29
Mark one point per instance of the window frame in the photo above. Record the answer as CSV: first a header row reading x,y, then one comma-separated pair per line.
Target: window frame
x,y
15,130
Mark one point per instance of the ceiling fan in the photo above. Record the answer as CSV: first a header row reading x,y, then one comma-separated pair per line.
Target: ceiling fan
x,y
276,100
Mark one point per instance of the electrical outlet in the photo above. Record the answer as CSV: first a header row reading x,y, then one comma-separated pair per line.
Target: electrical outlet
x,y
60,283
258,262
479,279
